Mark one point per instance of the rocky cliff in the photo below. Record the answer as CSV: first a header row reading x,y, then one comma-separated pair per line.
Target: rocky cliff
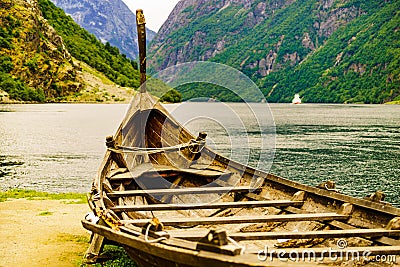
x,y
332,47
34,54
109,21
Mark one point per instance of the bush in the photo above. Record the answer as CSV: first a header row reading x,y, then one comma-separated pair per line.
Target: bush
x,y
6,64
19,90
171,96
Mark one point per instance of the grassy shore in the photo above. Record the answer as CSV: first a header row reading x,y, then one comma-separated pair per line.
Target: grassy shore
x,y
43,229
73,198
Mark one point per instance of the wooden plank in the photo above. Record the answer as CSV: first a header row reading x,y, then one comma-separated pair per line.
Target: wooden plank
x,y
182,191
218,205
340,225
315,234
200,233
242,219
367,204
94,250
150,169
181,252
116,171
121,176
344,226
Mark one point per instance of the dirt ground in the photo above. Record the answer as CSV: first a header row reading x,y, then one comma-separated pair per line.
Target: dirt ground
x,y
42,233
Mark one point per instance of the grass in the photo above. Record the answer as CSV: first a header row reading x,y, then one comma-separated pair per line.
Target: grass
x,y
46,213
73,198
114,257
73,238
393,103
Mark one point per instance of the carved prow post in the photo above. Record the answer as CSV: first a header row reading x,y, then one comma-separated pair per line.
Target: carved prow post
x,y
141,31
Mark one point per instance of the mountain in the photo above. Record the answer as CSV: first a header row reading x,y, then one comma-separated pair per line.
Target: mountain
x,y
109,21
34,63
336,51
46,56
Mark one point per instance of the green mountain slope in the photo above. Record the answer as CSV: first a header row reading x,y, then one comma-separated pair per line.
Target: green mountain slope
x,y
34,64
86,47
40,50
328,51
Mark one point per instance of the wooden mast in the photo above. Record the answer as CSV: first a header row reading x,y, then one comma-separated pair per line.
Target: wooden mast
x,y
141,31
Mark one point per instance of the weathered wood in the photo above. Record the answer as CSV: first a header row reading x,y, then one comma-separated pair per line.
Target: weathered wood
x,y
181,252
366,204
218,205
337,224
242,219
141,32
183,191
195,235
95,248
116,171
153,169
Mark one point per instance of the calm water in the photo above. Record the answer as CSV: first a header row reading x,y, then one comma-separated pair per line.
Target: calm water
x,y
58,147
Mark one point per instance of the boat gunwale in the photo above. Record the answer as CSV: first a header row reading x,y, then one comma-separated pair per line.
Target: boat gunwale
x,y
176,245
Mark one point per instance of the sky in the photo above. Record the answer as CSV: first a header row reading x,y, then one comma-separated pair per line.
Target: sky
x,y
155,11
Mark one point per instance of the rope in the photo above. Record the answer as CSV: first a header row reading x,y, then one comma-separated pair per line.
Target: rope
x,y
188,145
330,189
154,240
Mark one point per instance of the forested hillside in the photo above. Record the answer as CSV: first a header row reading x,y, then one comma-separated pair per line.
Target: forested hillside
x,y
38,48
34,64
336,51
86,47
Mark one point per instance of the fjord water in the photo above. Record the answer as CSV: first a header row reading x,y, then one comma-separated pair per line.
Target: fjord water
x,y
59,147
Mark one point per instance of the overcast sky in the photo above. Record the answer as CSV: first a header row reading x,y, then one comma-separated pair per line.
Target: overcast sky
x,y
155,11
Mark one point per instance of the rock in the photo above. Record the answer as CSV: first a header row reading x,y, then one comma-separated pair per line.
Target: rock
x,y
307,42
109,21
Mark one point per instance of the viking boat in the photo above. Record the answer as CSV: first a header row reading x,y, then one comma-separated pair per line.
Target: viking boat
x,y
169,200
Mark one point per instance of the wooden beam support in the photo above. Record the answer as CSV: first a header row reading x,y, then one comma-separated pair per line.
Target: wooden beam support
x,y
218,205
340,225
198,234
182,191
242,219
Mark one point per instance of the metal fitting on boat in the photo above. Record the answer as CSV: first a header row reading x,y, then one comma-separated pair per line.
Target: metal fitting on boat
x,y
218,241
328,185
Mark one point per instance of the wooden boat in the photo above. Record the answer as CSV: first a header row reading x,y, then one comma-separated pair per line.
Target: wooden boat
x,y
169,200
